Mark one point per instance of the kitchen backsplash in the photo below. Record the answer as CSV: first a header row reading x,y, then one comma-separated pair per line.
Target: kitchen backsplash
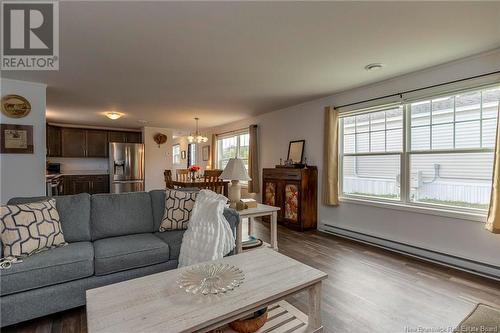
x,y
80,164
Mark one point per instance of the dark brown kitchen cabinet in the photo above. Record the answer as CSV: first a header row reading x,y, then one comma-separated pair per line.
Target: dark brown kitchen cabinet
x,y
83,142
77,184
53,141
74,142
115,136
134,137
97,143
125,137
295,192
99,184
92,184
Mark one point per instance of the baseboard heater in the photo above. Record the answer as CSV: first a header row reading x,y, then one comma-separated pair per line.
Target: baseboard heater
x,y
467,265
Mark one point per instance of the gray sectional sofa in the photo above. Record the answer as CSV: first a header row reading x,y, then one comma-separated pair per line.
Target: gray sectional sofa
x,y
112,238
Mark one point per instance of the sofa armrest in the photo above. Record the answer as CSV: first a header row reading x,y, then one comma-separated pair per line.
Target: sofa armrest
x,y
233,217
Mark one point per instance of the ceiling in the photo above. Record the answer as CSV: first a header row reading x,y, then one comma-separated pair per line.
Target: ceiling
x,y
167,62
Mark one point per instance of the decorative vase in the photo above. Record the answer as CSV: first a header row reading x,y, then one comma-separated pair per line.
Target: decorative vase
x,y
193,175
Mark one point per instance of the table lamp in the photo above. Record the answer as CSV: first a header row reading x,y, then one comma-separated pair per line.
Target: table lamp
x,y
234,171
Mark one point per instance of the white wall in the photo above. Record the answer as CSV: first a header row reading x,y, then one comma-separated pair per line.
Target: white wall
x,y
156,159
24,174
72,164
462,238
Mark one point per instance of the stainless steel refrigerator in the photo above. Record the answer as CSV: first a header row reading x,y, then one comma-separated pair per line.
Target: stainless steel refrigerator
x,y
126,167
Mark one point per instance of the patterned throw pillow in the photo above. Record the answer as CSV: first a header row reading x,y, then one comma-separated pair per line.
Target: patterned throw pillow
x,y
26,229
178,207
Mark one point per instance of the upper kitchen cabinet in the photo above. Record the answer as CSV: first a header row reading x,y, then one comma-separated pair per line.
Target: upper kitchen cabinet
x,y
74,142
134,137
97,143
115,136
85,142
125,137
53,141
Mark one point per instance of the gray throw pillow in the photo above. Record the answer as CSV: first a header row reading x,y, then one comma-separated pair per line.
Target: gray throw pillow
x,y
29,228
178,207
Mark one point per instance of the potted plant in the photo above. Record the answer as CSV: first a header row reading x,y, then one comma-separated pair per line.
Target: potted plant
x,y
194,169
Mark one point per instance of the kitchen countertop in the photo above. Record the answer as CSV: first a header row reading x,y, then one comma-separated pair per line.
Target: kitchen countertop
x,y
78,173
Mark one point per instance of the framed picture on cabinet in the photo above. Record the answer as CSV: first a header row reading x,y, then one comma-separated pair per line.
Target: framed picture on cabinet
x,y
296,151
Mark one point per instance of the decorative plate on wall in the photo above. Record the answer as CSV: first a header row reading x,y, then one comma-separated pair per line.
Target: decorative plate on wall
x,y
160,139
15,106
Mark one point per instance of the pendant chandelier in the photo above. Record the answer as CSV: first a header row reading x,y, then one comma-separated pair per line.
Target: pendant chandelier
x,y
197,137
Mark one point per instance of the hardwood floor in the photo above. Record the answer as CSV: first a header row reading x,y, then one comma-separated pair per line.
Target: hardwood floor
x,y
368,289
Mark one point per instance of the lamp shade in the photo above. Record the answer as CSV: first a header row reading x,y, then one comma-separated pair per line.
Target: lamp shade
x,y
235,170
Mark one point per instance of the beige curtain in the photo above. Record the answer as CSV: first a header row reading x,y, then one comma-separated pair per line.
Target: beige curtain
x,y
331,157
493,221
253,160
213,152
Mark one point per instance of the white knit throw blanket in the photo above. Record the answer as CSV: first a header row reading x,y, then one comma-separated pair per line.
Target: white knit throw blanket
x,y
209,236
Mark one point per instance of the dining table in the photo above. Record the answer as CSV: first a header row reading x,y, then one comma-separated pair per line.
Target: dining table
x,y
201,184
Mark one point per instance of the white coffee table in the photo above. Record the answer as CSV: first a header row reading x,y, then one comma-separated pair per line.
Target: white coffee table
x,y
155,303
251,214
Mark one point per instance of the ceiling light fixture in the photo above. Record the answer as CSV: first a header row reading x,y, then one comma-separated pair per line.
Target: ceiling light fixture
x,y
374,66
114,115
197,137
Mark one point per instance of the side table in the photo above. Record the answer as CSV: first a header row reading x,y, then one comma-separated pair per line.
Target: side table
x,y
251,214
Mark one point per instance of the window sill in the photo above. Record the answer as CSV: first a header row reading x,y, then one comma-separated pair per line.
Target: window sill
x,y
470,216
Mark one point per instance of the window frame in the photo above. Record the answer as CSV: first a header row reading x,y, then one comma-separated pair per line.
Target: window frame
x,y
226,136
404,202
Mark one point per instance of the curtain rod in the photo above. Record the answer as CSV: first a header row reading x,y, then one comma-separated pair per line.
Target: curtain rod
x,y
400,94
233,131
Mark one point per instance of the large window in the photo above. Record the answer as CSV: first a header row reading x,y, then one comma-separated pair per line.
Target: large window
x,y
435,152
231,146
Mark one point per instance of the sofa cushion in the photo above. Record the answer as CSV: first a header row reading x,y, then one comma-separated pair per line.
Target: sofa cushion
x,y
158,203
74,211
26,229
120,214
174,240
58,265
178,208
127,252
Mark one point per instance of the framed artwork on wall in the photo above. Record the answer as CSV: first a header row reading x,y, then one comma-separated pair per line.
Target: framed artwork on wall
x,y
16,139
205,152
183,155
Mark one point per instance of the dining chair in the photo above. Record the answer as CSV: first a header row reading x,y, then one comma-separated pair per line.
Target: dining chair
x,y
212,181
182,175
168,179
212,175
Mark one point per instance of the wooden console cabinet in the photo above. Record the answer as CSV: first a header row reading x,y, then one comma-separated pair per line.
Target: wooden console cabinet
x,y
295,191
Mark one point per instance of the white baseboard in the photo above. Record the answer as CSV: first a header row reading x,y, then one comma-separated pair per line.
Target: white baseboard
x,y
467,265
